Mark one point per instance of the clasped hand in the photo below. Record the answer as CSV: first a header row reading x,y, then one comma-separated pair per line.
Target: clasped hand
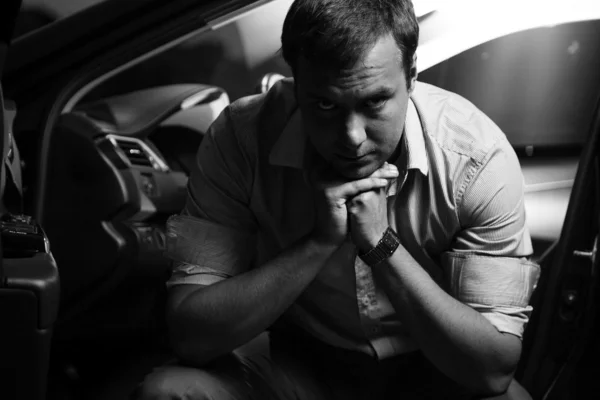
x,y
357,207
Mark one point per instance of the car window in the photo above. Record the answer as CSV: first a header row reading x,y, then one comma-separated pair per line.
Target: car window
x,y
233,56
540,86
36,14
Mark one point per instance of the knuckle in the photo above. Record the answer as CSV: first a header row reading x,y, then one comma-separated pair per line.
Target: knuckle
x,y
359,200
377,173
362,198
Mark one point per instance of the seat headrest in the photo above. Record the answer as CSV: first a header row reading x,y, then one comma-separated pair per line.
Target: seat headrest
x,y
138,113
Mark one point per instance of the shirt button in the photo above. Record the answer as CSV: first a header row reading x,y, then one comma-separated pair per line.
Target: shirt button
x,y
375,330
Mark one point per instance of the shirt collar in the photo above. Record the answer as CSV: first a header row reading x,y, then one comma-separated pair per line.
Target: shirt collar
x,y
290,147
414,155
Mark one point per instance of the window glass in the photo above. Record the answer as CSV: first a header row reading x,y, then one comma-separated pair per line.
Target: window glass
x,y
234,56
540,86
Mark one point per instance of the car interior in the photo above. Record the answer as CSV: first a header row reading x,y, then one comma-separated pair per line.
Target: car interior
x,y
29,280
83,291
132,172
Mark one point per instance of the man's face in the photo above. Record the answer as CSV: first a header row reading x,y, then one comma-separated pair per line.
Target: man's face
x,y
355,117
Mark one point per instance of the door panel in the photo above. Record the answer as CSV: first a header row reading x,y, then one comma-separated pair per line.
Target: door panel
x,y
565,306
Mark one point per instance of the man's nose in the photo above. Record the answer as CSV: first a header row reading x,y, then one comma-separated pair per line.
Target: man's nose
x,y
354,131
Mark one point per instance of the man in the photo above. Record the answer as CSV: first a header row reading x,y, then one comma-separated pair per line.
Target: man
x,y
374,225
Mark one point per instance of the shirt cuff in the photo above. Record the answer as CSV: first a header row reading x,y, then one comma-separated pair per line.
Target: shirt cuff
x,y
498,287
511,320
190,274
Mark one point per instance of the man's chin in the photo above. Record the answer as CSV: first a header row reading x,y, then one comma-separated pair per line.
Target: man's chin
x,y
356,172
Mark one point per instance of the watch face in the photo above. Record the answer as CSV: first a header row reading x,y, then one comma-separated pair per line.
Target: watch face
x,y
390,240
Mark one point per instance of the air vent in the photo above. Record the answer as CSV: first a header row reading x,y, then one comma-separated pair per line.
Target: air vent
x,y
138,153
134,153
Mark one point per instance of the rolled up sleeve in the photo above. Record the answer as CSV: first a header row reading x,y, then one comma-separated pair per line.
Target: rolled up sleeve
x,y
214,236
498,287
488,267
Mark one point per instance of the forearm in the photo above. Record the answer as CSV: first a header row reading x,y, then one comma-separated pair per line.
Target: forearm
x,y
211,321
457,339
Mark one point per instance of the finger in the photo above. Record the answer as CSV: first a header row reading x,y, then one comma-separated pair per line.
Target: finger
x,y
352,189
363,197
367,204
387,171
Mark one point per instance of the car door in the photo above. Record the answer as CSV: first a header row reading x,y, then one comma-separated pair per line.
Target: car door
x,y
561,353
45,69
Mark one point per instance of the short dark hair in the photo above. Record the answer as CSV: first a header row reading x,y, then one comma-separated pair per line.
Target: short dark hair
x,y
337,33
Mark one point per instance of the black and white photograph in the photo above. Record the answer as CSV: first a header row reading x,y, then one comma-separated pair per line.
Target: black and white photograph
x,y
299,199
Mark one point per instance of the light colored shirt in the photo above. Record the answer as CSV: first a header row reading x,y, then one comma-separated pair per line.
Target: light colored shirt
x,y
457,207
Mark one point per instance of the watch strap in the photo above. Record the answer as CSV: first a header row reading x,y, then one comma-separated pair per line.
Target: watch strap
x,y
387,245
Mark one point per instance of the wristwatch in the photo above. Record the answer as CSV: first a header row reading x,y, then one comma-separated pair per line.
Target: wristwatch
x,y
387,245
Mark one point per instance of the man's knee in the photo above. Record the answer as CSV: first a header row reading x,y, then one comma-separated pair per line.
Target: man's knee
x,y
158,385
172,383
515,392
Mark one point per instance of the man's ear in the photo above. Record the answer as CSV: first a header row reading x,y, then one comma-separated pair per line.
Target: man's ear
x,y
413,74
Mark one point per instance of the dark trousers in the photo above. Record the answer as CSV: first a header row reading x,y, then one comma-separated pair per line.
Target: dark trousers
x,y
298,367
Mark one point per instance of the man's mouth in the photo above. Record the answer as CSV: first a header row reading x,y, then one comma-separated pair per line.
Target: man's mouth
x,y
352,158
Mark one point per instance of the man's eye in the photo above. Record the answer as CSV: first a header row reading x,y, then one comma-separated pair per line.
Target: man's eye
x,y
325,105
376,103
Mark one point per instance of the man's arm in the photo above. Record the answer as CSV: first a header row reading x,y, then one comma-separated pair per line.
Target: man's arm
x,y
206,322
457,337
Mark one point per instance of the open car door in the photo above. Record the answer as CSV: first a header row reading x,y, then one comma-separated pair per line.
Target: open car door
x,y
559,352
29,283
